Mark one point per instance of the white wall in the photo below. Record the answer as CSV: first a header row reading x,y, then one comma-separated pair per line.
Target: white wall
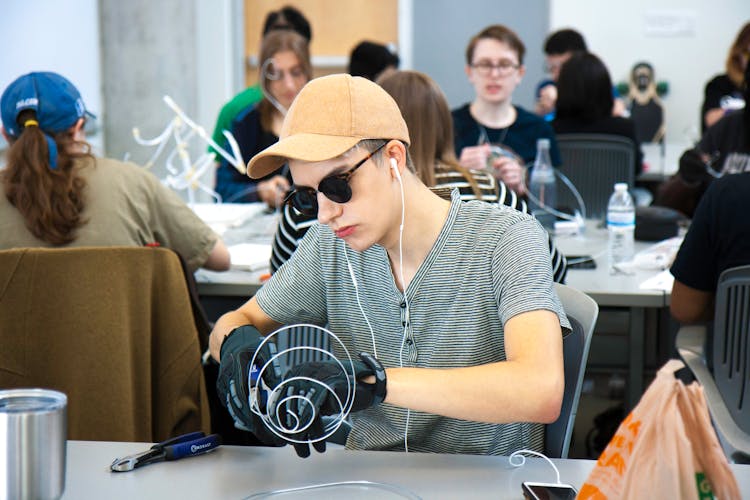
x,y
220,53
49,35
616,31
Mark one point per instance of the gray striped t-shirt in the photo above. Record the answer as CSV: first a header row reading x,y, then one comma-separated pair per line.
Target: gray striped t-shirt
x,y
488,264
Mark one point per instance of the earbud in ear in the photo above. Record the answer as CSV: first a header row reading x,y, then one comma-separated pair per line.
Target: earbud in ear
x,y
394,166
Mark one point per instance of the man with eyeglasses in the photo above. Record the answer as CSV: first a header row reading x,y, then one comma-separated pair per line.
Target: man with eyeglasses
x,y
491,132
453,300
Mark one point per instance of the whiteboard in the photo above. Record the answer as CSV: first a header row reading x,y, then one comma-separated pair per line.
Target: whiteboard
x,y
50,35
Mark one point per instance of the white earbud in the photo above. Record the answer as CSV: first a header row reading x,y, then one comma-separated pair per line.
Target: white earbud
x,y
394,166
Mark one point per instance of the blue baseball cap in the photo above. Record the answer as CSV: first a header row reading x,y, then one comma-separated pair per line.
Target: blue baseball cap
x,y
56,101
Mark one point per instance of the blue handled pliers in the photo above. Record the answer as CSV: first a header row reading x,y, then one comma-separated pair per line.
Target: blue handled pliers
x,y
187,445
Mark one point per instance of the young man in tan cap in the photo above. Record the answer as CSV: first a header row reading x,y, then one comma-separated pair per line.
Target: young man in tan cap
x,y
455,300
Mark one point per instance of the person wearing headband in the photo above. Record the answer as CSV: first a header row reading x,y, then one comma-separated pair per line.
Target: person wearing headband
x,y
284,69
454,301
57,194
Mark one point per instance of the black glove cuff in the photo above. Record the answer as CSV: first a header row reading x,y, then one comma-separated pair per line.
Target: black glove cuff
x,y
239,338
380,378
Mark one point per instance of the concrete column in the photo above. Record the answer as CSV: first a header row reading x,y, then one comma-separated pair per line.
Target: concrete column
x,y
148,50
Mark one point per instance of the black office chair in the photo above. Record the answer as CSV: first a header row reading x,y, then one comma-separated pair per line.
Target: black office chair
x,y
594,163
727,389
582,312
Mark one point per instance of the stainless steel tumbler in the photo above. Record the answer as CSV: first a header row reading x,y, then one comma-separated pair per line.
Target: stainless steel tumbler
x,y
33,430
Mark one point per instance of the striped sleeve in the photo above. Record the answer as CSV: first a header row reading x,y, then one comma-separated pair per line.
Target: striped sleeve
x,y
511,199
292,227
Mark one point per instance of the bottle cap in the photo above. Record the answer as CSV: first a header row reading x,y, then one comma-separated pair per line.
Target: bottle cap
x,y
621,186
544,143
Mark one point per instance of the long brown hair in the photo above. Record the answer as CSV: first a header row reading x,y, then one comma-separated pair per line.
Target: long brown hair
x,y
426,113
50,200
274,42
737,58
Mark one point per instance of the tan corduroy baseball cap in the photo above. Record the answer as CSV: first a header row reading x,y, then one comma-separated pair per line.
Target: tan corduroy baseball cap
x,y
330,115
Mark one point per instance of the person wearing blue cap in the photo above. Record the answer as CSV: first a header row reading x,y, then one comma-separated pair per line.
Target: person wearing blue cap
x,y
56,193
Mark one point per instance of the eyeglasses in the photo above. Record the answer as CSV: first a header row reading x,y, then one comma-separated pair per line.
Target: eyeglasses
x,y
504,68
335,187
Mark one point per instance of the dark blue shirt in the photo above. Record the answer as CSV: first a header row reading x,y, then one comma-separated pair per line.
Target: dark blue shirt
x,y
252,138
520,136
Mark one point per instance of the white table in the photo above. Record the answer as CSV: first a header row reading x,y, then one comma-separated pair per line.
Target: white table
x,y
237,472
618,290
235,223
661,161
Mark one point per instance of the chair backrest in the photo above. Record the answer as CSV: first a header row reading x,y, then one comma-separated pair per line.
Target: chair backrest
x,y
110,327
594,163
731,343
582,312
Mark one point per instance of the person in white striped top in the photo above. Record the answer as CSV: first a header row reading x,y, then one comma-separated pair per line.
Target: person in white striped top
x,y
453,300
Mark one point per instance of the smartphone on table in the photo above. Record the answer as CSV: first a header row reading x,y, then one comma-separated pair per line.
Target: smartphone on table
x,y
580,262
548,491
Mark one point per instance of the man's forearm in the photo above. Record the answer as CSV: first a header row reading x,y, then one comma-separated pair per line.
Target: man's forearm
x,y
222,328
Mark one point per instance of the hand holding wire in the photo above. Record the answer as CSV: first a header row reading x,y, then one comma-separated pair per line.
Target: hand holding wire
x,y
475,157
273,190
511,172
313,389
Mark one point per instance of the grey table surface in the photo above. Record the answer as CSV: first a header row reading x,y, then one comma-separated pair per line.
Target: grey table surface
x,y
238,472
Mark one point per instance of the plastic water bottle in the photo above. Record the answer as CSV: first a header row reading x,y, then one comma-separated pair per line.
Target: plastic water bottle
x,y
621,225
542,186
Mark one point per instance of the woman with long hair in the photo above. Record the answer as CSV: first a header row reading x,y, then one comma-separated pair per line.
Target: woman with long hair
x,y
284,68
57,194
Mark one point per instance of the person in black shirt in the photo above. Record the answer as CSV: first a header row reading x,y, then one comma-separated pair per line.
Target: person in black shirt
x,y
723,92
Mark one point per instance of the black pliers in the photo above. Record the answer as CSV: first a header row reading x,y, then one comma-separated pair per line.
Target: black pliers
x,y
187,445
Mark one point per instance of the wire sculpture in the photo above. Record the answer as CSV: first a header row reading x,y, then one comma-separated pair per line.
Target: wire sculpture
x,y
262,399
186,174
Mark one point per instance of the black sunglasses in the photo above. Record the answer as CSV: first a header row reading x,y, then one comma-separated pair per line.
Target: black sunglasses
x,y
335,187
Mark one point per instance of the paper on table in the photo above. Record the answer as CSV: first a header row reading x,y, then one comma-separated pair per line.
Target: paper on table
x,y
250,256
662,281
221,216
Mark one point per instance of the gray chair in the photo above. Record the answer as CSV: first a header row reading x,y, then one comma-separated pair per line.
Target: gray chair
x,y
594,163
727,389
582,312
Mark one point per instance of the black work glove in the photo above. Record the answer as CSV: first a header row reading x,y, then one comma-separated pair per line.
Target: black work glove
x,y
237,352
302,403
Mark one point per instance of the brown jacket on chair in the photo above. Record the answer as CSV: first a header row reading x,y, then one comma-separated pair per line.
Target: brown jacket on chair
x,y
110,327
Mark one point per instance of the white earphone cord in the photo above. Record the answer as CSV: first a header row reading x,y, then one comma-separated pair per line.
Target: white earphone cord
x,y
403,283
